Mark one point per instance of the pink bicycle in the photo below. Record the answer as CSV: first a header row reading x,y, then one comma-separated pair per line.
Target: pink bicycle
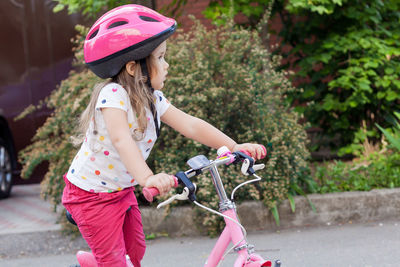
x,y
234,232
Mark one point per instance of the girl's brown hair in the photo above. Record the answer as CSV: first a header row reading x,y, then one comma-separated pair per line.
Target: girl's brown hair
x,y
139,95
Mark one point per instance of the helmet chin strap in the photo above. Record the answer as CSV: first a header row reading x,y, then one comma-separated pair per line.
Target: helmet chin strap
x,y
145,72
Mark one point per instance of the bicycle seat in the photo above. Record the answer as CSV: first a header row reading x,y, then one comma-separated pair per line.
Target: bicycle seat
x,y
71,220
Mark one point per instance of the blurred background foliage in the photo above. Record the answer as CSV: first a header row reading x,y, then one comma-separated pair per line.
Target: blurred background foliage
x,y
89,8
346,58
225,76
345,55
335,62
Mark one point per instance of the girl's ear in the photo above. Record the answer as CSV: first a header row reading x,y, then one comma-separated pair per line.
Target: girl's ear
x,y
130,67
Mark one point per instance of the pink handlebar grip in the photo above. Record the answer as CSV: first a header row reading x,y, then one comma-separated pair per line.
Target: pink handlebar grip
x,y
262,156
150,192
265,152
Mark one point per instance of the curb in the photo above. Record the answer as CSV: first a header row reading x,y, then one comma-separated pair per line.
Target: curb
x,y
331,209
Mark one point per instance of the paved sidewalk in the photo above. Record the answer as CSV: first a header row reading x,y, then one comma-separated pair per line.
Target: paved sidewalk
x,y
372,244
363,230
24,211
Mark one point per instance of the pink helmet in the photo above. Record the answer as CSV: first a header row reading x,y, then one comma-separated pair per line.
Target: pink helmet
x,y
123,34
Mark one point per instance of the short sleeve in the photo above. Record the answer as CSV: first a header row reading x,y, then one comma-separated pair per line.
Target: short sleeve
x,y
113,95
162,103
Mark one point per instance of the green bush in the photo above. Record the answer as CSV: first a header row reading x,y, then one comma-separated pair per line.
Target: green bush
x,y
223,76
89,8
372,172
377,167
347,58
353,65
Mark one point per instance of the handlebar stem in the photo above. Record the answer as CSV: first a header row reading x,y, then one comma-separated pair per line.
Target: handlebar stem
x,y
216,178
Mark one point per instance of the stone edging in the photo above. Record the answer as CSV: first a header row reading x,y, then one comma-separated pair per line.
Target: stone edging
x,y
334,208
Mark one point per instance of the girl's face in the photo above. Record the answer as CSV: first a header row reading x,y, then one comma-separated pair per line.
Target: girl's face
x,y
159,68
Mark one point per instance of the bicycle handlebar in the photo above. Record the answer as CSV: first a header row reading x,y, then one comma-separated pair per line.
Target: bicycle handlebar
x,y
150,192
183,177
263,155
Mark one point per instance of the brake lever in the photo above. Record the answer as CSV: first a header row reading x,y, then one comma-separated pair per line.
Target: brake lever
x,y
182,196
258,167
247,169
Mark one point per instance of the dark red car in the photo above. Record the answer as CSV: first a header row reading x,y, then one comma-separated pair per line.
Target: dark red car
x,y
35,55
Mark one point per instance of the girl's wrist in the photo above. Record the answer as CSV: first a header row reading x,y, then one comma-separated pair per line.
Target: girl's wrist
x,y
144,180
232,148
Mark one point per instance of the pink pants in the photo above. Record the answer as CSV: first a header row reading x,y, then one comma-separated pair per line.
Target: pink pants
x,y
104,222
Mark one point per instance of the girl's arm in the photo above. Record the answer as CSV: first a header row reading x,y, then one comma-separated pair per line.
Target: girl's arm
x,y
118,129
203,132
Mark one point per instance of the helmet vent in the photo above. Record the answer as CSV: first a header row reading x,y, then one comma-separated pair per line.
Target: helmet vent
x,y
116,24
94,34
145,18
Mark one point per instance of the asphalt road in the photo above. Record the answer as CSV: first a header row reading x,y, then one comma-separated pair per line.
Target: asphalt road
x,y
369,244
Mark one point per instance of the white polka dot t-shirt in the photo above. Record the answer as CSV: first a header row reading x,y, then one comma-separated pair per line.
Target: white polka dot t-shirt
x,y
97,166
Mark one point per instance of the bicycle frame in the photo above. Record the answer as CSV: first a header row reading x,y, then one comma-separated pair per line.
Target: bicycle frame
x,y
232,232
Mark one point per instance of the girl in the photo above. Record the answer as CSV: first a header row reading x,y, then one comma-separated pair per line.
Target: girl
x,y
119,127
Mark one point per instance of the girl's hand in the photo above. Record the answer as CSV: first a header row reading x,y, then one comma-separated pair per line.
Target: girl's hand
x,y
162,181
256,150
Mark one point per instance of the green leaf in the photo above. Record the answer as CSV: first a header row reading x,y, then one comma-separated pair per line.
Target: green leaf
x,y
321,10
309,92
392,139
364,86
338,2
392,95
302,193
381,94
292,203
275,213
396,83
389,71
371,64
329,102
397,114
150,236
58,8
364,43
325,57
